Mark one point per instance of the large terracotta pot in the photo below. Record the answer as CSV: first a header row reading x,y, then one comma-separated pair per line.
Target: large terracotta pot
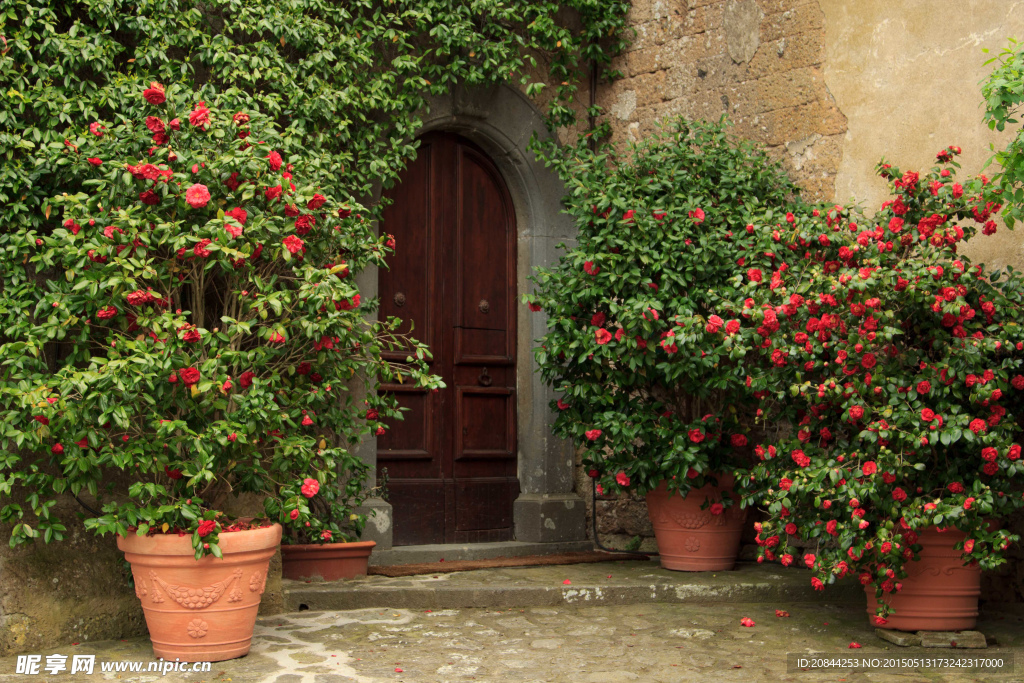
x,y
939,593
329,561
201,610
691,539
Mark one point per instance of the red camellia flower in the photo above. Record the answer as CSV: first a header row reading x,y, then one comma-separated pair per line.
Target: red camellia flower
x,y
732,327
154,94
94,161
716,508
303,224
245,379
924,387
978,425
856,413
292,243
310,487
200,116
738,440
869,468
189,376
818,585
800,458
275,161
106,313
622,479
747,622
238,213
989,454
272,193
754,275
696,435
294,514
590,269
927,414
603,336
57,449
200,249
899,495
97,128
197,196
316,202
172,473
968,502
593,434
562,405
206,527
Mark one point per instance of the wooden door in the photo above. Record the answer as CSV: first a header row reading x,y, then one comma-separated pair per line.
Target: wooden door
x,y
451,462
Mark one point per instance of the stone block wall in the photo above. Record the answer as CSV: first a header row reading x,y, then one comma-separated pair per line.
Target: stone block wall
x,y
759,62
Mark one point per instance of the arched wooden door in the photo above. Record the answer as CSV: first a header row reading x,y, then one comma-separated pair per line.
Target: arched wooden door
x,y
451,462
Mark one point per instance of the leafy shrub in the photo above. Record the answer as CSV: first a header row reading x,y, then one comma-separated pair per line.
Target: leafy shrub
x,y
200,331
645,336
898,364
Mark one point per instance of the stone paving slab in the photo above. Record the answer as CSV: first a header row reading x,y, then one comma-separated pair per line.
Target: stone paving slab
x,y
609,583
660,643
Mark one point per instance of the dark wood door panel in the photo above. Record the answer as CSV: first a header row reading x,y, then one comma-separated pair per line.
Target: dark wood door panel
x,y
453,275
483,253
475,503
418,516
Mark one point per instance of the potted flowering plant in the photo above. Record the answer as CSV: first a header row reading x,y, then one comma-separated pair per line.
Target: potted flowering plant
x,y
322,529
646,341
900,365
191,331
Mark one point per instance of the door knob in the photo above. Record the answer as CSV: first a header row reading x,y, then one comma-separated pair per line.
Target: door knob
x,y
484,379
484,306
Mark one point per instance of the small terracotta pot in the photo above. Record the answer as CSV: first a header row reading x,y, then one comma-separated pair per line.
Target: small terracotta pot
x,y
939,593
691,539
201,610
330,561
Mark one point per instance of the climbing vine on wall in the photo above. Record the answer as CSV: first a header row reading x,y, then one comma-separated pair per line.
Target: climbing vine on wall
x,y
329,92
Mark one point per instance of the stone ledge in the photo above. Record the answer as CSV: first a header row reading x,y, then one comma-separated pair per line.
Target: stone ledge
x,y
420,554
610,583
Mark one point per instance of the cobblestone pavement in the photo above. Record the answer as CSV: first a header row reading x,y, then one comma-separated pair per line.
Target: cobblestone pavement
x,y
661,643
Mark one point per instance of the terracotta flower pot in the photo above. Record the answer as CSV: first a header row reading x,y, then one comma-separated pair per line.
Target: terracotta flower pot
x,y
201,610
691,539
330,561
939,593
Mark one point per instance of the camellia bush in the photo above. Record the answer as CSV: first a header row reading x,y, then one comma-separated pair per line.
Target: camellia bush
x,y
647,338
897,374
191,331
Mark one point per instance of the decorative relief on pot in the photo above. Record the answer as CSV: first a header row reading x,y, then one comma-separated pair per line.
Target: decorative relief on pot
x,y
197,598
140,587
692,544
691,520
258,582
197,628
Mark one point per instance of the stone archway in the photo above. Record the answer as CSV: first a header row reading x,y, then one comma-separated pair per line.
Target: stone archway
x,y
501,121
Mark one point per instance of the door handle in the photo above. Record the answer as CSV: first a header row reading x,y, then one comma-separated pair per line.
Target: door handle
x,y
484,379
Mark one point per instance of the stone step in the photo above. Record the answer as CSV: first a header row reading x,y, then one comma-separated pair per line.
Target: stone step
x,y
421,554
606,583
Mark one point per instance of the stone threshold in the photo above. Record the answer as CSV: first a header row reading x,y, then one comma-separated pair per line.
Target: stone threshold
x,y
448,552
605,583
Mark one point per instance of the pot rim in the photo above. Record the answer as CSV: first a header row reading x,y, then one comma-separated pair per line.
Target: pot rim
x,y
337,545
230,542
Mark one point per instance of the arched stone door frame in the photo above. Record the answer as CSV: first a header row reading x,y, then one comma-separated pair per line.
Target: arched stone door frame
x,y
501,121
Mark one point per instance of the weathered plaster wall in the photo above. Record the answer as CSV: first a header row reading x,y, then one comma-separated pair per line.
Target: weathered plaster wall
x,y
906,76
